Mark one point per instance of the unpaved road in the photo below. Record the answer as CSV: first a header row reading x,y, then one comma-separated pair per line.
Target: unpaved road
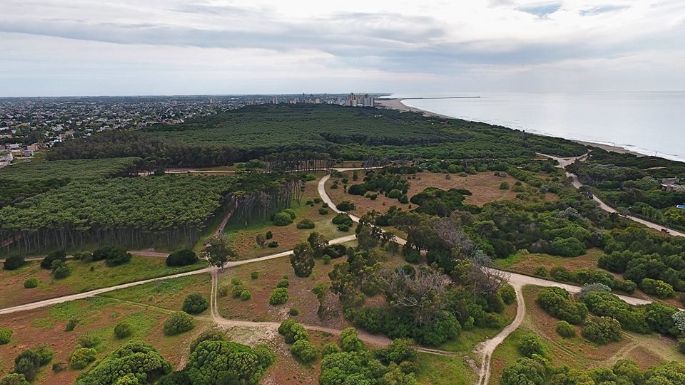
x,y
564,162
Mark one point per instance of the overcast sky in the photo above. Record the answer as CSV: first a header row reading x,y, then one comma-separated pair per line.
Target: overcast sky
x,y
417,47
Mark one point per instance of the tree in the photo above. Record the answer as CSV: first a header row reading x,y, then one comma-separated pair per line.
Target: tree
x,y
302,260
183,257
177,323
318,243
350,342
60,269
602,330
525,371
218,362
279,296
14,379
30,361
123,330
195,304
5,335
46,263
218,252
304,351
14,262
135,358
531,345
82,357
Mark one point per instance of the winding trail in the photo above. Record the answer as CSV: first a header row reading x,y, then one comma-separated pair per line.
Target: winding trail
x,y
565,162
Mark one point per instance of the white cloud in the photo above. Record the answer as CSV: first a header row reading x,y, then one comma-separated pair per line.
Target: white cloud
x,y
175,46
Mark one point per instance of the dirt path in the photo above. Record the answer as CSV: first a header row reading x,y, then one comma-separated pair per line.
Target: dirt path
x,y
564,162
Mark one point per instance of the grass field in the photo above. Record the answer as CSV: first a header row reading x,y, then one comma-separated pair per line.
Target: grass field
x,y
528,263
442,370
84,277
97,317
242,236
576,352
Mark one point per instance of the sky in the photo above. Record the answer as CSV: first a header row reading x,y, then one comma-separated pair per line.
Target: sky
x,y
410,48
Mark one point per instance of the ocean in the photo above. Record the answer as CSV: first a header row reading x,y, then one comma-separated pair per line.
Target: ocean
x,y
651,123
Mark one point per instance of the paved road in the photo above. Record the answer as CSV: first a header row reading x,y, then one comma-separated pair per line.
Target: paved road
x,y
564,162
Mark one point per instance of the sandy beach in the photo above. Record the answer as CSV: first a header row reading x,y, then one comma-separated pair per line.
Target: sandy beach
x,y
396,104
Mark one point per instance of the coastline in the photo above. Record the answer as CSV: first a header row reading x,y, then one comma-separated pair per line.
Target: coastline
x,y
397,104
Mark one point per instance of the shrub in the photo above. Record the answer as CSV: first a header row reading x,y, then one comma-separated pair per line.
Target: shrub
x,y
134,360
58,367
31,283
343,228
302,260
272,244
183,257
279,296
236,291
504,186
269,235
541,272
290,212
254,275
394,194
342,219
223,291
5,335
212,334
292,331
113,256
82,357
195,304
602,330
357,189
60,269
58,255
305,224
304,351
123,330
282,219
89,341
14,262
29,361
530,345
235,281
508,294
681,345
349,342
283,283
565,329
567,247
245,295
657,288
226,362
558,303
178,323
293,312
323,211
71,324
14,379
412,256
330,348
345,206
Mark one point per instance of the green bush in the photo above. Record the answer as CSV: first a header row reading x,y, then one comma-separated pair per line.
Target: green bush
x,y
195,304
123,330
279,296
5,335
225,362
113,256
184,257
293,312
305,224
292,331
504,186
245,295
71,324
30,361
508,294
530,345
284,283
60,269
14,262
223,291
350,342
565,329
567,247
59,367
82,357
304,351
134,359
254,275
345,206
177,323
31,283
236,291
602,330
89,341
290,212
269,235
323,211
282,219
681,345
558,303
657,287
14,379
343,228
272,244
58,255
541,272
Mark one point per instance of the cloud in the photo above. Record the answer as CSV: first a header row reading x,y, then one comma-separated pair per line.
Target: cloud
x,y
603,9
541,10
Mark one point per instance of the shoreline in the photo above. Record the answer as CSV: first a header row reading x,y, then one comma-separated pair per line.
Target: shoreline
x,y
397,104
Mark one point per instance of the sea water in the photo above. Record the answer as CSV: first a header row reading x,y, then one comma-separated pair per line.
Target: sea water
x,y
651,123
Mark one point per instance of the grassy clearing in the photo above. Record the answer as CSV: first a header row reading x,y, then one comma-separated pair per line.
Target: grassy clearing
x,y
528,263
168,294
84,277
242,236
97,317
441,370
576,352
